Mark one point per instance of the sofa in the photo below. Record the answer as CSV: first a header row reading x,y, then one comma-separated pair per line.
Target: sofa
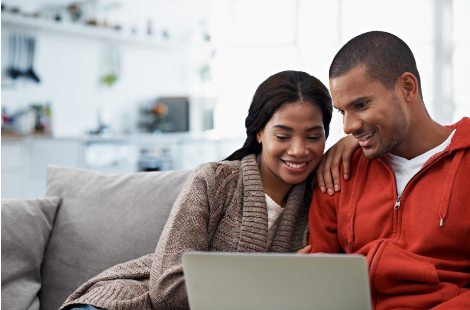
x,y
88,222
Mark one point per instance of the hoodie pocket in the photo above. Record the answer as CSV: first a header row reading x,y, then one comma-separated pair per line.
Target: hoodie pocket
x,y
399,272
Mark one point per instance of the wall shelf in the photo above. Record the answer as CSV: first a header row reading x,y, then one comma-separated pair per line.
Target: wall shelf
x,y
37,24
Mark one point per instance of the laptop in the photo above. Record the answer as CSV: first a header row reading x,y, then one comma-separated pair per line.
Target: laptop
x,y
226,281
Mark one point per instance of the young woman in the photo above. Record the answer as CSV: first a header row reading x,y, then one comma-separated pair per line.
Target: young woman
x,y
257,200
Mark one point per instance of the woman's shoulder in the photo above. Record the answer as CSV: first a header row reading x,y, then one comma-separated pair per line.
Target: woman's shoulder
x,y
218,170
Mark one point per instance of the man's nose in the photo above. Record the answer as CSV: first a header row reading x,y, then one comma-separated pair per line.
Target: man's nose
x,y
351,124
298,148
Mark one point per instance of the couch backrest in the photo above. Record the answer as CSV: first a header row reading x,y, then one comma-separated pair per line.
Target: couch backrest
x,y
103,220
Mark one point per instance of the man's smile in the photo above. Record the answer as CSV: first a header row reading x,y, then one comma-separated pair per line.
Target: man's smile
x,y
364,139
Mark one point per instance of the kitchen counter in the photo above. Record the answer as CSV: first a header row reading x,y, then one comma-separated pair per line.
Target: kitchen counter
x,y
147,137
25,157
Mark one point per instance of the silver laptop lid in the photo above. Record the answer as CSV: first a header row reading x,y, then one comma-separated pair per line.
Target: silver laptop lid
x,y
276,281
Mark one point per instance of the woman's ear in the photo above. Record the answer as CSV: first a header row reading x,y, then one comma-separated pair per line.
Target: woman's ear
x,y
259,136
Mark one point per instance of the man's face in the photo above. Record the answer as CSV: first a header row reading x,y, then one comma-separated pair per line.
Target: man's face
x,y
372,113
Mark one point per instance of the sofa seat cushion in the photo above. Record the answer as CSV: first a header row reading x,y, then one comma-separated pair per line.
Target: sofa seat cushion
x,y
103,220
26,227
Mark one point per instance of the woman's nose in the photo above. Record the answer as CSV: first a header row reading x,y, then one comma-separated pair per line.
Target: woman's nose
x,y
298,149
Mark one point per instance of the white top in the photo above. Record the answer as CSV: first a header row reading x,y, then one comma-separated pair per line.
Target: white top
x,y
405,169
274,213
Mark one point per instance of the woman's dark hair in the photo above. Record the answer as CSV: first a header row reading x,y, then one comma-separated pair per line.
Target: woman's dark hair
x,y
282,88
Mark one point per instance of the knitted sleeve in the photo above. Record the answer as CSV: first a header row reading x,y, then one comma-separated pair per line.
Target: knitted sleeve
x,y
190,226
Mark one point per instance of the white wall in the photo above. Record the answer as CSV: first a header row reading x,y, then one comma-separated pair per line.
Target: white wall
x,y
71,66
461,68
252,39
257,38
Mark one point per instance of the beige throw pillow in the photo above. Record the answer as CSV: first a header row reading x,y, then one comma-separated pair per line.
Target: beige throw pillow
x,y
26,227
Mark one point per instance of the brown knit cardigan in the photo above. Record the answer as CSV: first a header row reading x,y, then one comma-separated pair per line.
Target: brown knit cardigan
x,y
222,208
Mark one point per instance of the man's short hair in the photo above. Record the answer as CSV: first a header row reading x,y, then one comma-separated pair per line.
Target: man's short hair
x,y
385,56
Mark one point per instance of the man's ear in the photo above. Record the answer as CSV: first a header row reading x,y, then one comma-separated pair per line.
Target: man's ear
x,y
409,86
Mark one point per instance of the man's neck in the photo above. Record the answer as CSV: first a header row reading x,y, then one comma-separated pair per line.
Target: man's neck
x,y
422,137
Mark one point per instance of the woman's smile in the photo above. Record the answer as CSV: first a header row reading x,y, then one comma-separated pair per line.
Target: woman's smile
x,y
296,166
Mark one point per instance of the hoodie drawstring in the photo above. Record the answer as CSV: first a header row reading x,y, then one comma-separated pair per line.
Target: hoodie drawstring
x,y
448,186
358,183
361,172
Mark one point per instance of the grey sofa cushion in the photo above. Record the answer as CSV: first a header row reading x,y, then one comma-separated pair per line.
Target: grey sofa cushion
x,y
103,220
26,227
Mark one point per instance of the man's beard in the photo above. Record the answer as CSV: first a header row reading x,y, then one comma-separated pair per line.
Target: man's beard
x,y
397,133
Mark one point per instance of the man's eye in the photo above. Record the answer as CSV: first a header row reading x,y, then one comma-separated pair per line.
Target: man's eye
x,y
314,137
361,105
341,111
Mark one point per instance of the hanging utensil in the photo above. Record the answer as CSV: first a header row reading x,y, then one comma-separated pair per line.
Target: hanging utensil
x,y
29,73
22,45
14,55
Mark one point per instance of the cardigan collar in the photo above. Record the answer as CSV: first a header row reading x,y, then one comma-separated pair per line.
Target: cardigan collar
x,y
254,228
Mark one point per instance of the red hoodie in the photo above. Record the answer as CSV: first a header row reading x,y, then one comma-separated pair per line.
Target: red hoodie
x,y
418,246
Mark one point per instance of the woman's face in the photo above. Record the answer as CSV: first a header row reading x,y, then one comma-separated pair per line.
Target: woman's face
x,y
292,142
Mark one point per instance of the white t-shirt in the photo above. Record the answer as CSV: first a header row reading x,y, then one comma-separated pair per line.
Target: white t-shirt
x,y
274,212
405,169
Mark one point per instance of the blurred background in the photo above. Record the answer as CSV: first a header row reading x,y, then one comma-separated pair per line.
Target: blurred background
x,y
123,86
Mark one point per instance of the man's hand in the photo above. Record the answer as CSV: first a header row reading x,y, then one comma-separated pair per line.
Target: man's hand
x,y
305,250
328,169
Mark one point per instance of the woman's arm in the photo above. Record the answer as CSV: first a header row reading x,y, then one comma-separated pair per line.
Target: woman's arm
x,y
189,228
328,170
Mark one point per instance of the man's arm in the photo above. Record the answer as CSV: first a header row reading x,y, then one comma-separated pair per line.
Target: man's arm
x,y
323,223
460,302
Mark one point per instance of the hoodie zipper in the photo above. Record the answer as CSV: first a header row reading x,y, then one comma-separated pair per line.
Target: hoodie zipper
x,y
398,201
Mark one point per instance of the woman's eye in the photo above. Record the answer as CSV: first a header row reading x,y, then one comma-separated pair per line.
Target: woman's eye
x,y
282,137
314,137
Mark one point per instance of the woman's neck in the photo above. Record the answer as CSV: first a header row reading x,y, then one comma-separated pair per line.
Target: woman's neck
x,y
274,186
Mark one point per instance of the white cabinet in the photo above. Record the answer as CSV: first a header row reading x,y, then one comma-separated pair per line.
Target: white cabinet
x,y
24,164
111,157
13,169
24,161
66,153
12,185
193,153
11,156
43,152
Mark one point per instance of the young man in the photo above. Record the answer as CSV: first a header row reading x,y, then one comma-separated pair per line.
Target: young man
x,y
406,204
